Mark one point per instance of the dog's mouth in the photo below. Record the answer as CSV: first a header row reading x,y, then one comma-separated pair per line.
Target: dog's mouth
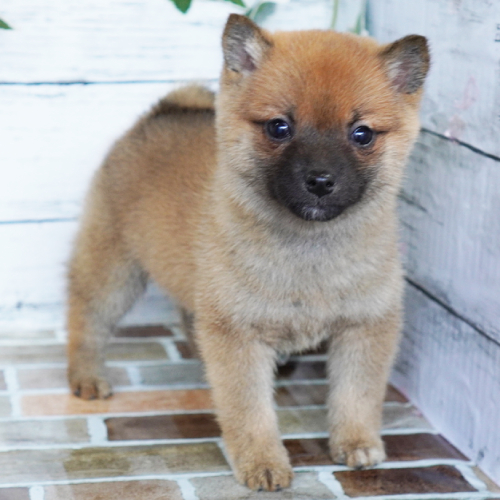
x,y
316,211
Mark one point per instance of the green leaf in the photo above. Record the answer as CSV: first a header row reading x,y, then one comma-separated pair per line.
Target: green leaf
x,y
182,5
335,14
260,11
237,2
360,26
4,25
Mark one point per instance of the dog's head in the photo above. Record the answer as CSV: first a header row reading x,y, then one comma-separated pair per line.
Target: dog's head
x,y
316,120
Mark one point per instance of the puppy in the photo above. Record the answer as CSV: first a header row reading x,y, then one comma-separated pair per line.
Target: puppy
x,y
269,216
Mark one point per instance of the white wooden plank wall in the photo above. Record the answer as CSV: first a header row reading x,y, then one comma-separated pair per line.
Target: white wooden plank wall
x,y
75,74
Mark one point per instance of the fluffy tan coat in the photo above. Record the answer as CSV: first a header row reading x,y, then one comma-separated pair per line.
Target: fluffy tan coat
x,y
184,198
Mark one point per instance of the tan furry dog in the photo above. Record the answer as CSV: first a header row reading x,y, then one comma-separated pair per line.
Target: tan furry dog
x,y
272,220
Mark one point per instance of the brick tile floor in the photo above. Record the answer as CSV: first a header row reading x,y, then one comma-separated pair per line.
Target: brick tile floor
x,y
157,438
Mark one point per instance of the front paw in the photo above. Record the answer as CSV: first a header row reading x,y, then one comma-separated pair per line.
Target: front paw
x,y
89,386
358,454
270,473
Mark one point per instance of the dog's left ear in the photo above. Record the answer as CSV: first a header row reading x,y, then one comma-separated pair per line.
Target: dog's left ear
x,y
244,44
407,62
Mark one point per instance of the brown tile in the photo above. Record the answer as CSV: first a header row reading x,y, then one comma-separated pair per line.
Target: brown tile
x,y
420,447
43,432
186,349
393,395
301,395
371,482
175,374
187,426
117,351
14,494
302,370
5,407
3,385
144,331
54,378
120,490
304,487
120,402
308,452
46,465
398,448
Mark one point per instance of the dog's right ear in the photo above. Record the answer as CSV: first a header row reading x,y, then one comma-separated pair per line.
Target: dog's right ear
x,y
244,44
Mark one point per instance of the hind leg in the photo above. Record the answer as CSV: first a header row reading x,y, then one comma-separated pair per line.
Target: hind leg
x,y
104,282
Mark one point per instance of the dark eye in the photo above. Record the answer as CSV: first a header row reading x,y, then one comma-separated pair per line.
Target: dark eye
x,y
362,135
278,129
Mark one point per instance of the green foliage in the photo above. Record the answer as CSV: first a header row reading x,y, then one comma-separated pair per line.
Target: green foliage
x,y
360,27
237,2
4,25
260,11
184,5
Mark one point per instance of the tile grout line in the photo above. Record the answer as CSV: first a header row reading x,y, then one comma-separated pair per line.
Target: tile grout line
x,y
332,483
98,432
37,493
470,476
171,350
188,491
406,431
134,375
178,332
10,374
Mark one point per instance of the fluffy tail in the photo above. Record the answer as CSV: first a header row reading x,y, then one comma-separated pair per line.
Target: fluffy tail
x,y
186,99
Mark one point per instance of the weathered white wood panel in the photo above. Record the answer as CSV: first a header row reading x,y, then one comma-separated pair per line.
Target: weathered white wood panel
x,y
463,89
33,278
54,138
454,375
450,210
32,270
119,40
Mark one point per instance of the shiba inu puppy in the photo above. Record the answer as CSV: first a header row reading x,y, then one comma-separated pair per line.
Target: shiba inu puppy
x,y
268,213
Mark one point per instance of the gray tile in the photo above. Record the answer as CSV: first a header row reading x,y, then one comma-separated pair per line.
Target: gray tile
x,y
305,486
43,432
5,408
176,374
41,465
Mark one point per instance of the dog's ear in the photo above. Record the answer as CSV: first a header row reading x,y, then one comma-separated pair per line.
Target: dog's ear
x,y
407,62
244,44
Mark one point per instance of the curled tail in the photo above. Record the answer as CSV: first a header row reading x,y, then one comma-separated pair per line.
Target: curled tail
x,y
193,98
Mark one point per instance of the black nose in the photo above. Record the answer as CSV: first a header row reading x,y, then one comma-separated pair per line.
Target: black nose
x,y
319,184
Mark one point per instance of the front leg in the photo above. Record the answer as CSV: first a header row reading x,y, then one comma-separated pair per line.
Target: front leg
x,y
360,358
240,370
